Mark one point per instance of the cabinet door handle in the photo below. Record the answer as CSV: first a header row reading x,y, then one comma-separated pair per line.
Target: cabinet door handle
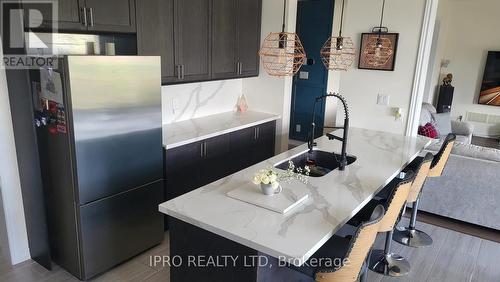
x,y
258,132
178,68
238,68
241,68
91,12
255,133
205,153
84,14
201,149
182,71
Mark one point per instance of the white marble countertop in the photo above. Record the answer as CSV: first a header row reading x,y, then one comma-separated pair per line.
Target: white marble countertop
x,y
333,198
192,130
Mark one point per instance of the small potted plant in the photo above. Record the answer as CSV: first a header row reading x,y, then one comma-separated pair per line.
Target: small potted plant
x,y
269,180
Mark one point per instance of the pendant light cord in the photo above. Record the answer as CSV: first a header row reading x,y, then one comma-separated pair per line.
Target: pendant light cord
x,y
381,19
341,18
284,12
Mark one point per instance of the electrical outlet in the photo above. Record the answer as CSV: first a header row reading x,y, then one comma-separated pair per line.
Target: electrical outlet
x,y
297,128
174,104
398,114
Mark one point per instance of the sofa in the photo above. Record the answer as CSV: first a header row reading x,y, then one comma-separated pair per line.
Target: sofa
x,y
463,130
469,189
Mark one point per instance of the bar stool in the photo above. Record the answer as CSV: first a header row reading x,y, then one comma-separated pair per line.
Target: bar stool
x,y
384,261
354,250
441,158
410,236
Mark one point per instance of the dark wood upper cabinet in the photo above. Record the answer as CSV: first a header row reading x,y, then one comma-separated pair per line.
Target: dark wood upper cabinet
x,y
111,15
235,38
92,15
200,40
225,39
249,15
191,37
70,16
155,34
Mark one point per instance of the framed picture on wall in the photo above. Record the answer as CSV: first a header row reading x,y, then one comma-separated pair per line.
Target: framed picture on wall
x,y
490,87
382,57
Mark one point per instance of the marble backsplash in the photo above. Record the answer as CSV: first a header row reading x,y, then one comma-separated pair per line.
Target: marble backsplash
x,y
193,100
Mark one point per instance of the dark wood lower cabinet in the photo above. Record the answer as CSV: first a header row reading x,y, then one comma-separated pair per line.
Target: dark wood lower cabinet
x,y
216,159
193,165
234,261
265,142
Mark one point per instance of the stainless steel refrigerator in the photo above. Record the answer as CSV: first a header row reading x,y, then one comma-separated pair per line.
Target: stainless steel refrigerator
x,y
100,146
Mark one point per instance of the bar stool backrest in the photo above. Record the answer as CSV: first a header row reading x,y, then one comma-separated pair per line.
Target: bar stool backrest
x,y
441,158
396,201
420,175
360,245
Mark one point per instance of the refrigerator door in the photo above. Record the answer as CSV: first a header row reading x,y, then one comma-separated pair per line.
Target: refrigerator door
x,y
119,227
115,119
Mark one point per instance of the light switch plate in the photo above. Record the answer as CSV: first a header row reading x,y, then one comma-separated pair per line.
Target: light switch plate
x,y
297,128
386,100
304,75
383,100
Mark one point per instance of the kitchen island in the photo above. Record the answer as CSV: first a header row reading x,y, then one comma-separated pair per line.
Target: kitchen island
x,y
209,223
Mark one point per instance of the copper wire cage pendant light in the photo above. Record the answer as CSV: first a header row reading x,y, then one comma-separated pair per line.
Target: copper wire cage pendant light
x,y
282,53
379,50
338,53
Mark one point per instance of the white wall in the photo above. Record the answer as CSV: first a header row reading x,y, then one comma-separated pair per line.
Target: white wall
x,y
361,87
273,94
10,184
471,31
442,26
192,100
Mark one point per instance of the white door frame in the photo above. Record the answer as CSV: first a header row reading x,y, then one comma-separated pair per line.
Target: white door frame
x,y
423,58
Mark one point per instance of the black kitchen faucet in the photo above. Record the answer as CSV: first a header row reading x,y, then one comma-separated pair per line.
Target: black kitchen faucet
x,y
311,143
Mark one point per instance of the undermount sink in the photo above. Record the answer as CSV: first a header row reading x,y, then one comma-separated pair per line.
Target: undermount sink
x,y
320,162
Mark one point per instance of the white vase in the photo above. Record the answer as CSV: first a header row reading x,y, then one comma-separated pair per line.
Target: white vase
x,y
268,189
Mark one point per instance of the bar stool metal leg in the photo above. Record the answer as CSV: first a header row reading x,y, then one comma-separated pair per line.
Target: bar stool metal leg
x,y
387,263
410,236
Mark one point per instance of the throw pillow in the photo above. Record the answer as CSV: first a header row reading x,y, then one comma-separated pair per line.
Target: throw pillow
x,y
443,123
428,130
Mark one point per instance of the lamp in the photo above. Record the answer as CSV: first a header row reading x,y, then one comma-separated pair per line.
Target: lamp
x,y
379,50
282,53
338,52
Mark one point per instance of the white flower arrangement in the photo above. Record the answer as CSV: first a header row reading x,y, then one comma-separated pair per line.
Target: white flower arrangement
x,y
269,176
266,176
